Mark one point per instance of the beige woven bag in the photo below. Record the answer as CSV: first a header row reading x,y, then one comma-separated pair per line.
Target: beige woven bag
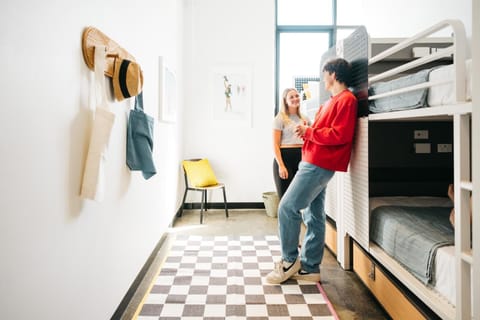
x,y
93,184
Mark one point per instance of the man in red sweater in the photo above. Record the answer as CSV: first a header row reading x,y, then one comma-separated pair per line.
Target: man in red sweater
x,y
326,149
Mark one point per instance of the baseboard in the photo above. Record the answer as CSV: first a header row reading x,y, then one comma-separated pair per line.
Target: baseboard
x,y
230,205
122,307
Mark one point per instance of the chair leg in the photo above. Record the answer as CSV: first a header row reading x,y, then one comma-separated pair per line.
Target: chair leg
x,y
179,214
205,200
225,202
201,207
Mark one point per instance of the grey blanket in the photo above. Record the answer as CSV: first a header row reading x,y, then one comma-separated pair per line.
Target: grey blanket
x,y
404,101
412,235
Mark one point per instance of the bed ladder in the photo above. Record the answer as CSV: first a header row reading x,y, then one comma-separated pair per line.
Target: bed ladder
x,y
463,187
475,265
467,183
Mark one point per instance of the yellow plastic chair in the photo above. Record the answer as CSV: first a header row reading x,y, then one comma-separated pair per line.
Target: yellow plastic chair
x,y
199,176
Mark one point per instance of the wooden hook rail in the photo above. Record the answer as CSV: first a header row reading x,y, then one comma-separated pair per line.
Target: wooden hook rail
x,y
93,37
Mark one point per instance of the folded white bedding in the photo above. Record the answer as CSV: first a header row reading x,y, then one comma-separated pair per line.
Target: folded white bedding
x,y
444,94
444,272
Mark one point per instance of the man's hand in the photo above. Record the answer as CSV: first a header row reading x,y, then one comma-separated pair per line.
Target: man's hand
x,y
300,130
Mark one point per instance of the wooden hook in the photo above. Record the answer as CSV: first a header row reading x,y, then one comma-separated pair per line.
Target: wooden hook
x,y
92,37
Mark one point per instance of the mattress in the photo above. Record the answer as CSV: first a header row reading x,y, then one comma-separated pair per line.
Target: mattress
x,y
398,102
437,95
412,235
444,263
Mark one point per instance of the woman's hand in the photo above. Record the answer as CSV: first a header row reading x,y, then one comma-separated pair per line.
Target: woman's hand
x,y
282,172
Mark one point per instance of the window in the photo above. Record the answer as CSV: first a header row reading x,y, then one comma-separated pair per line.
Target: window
x,y
305,29
300,56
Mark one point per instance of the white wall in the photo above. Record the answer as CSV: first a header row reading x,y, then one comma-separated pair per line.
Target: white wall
x,y
404,18
231,33
63,257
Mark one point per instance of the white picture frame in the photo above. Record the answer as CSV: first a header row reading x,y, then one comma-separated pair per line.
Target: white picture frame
x,y
167,98
234,108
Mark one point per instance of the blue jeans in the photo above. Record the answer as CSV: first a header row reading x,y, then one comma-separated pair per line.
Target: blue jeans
x,y
306,191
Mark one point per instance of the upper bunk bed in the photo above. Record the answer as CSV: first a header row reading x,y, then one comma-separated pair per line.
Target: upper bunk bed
x,y
435,91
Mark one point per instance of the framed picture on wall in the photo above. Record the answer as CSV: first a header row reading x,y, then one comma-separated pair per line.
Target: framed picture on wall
x,y
167,82
231,94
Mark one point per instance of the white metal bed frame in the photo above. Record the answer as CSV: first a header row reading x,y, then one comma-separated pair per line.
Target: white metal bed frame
x,y
466,123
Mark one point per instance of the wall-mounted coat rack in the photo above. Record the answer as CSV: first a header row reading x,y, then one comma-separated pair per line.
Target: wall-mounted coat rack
x,y
93,37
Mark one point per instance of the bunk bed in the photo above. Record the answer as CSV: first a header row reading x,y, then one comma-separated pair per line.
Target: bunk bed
x,y
413,286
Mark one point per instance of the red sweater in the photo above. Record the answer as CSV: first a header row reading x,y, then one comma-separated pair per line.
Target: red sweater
x,y
328,142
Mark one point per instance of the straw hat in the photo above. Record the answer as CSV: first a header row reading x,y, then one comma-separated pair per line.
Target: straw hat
x,y
127,79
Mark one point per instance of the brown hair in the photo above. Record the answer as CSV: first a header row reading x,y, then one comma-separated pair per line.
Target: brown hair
x,y
342,69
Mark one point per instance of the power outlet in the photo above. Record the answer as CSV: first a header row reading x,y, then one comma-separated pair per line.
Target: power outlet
x,y
444,147
422,147
420,134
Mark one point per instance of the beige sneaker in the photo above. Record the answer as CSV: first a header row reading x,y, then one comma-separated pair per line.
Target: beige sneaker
x,y
307,276
281,274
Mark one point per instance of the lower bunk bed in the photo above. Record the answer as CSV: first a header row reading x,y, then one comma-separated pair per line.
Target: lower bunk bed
x,y
409,266
417,233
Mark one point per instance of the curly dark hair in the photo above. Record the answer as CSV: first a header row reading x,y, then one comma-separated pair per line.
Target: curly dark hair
x,y
342,69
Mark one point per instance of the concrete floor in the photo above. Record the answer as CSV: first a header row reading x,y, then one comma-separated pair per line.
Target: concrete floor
x,y
350,298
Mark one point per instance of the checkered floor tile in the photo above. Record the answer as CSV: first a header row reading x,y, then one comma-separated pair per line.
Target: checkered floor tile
x,y
223,278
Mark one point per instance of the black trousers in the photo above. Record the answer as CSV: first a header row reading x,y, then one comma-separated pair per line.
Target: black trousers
x,y
291,158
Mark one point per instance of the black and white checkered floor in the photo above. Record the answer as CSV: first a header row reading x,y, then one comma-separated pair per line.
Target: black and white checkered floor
x,y
223,278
